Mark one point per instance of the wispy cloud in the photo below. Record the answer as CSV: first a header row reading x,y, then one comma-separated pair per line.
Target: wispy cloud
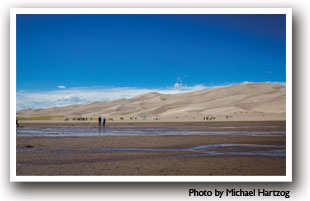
x,y
61,87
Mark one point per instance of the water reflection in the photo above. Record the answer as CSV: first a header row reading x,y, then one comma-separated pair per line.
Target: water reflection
x,y
67,131
201,150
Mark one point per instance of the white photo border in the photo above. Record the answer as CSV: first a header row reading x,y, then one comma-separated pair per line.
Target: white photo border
x,y
286,11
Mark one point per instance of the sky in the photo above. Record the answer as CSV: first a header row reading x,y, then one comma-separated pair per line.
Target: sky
x,y
70,59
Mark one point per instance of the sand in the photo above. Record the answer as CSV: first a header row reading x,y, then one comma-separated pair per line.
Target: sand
x,y
54,160
248,104
243,102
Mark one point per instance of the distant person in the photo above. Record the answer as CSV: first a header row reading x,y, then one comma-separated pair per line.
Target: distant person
x,y
103,121
99,121
17,122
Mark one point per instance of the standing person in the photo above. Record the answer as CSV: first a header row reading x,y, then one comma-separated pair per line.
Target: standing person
x,y
99,121
103,121
17,122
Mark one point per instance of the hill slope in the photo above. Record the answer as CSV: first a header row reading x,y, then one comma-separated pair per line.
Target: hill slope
x,y
249,98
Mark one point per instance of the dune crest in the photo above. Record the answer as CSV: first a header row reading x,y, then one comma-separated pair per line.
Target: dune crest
x,y
248,98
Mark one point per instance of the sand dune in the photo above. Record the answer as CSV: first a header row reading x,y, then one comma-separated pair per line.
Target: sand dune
x,y
234,102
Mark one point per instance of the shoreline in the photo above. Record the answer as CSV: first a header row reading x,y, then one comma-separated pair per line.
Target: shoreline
x,y
38,123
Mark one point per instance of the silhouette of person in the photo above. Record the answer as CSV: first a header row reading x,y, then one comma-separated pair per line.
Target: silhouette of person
x,y
99,121
103,121
17,122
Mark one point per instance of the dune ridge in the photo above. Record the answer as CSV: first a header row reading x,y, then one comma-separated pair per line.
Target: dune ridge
x,y
246,100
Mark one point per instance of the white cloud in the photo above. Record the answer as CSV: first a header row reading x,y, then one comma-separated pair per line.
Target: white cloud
x,y
246,82
177,85
61,87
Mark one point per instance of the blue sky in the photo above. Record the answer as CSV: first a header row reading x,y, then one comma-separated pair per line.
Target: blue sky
x,y
64,54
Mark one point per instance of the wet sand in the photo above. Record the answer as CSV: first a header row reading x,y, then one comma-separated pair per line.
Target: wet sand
x,y
155,155
39,123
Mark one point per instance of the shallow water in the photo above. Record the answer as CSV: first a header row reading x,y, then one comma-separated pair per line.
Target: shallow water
x,y
71,131
201,150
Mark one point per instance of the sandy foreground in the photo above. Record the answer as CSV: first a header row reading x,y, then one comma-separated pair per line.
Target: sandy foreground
x,y
73,155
